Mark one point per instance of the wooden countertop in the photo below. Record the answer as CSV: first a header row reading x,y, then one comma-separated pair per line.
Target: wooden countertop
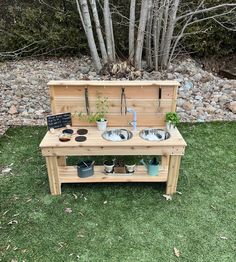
x,y
94,139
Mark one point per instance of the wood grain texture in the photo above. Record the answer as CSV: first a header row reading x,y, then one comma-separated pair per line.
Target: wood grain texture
x,y
96,145
143,96
69,175
173,174
53,175
149,105
61,160
112,83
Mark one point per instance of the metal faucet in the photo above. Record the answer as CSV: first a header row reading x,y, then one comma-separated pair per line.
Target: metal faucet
x,y
134,122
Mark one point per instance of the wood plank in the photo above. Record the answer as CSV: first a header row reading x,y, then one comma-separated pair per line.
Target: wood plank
x,y
53,175
61,161
175,182
69,83
174,99
69,175
143,96
52,97
165,160
141,92
94,139
173,173
115,120
110,151
76,104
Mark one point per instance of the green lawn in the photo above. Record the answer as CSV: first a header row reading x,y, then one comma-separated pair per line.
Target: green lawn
x,y
121,222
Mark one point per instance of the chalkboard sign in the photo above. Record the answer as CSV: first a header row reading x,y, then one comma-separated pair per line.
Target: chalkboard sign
x,y
59,120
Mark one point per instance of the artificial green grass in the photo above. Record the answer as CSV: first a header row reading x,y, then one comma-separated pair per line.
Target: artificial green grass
x,y
121,222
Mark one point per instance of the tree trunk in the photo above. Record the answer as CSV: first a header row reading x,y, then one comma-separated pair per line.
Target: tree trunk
x,y
107,23
149,35
140,37
81,16
89,34
131,29
169,32
164,28
158,17
98,30
112,37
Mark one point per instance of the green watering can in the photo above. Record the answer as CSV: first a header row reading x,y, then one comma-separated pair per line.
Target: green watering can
x,y
152,166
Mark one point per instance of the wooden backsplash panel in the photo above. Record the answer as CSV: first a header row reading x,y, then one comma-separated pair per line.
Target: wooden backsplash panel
x,y
140,105
68,96
114,91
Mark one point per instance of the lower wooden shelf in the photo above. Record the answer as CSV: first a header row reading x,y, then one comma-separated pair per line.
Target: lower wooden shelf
x,y
68,174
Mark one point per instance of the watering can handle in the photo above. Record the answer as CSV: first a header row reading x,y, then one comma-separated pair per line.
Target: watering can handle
x,y
143,162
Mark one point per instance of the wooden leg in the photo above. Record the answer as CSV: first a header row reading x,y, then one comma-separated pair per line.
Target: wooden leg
x,y
61,160
165,161
173,174
53,175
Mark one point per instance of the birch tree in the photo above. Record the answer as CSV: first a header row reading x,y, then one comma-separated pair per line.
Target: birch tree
x,y
169,31
141,32
109,31
166,34
155,35
99,31
149,48
131,29
159,8
83,10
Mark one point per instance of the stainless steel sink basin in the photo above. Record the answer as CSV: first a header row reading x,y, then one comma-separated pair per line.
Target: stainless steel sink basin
x,y
153,134
117,135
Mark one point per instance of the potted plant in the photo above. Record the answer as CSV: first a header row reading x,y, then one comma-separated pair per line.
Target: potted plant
x,y
172,119
109,166
102,107
130,164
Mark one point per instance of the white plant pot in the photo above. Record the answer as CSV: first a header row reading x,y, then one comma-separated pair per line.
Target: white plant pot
x,y
102,125
130,168
108,166
170,126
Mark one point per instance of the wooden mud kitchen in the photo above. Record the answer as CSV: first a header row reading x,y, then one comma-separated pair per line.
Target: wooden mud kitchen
x,y
136,108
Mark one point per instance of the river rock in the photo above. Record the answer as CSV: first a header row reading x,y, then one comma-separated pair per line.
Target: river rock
x,y
84,69
223,99
210,109
232,106
187,106
170,76
197,77
198,97
12,110
188,85
24,95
